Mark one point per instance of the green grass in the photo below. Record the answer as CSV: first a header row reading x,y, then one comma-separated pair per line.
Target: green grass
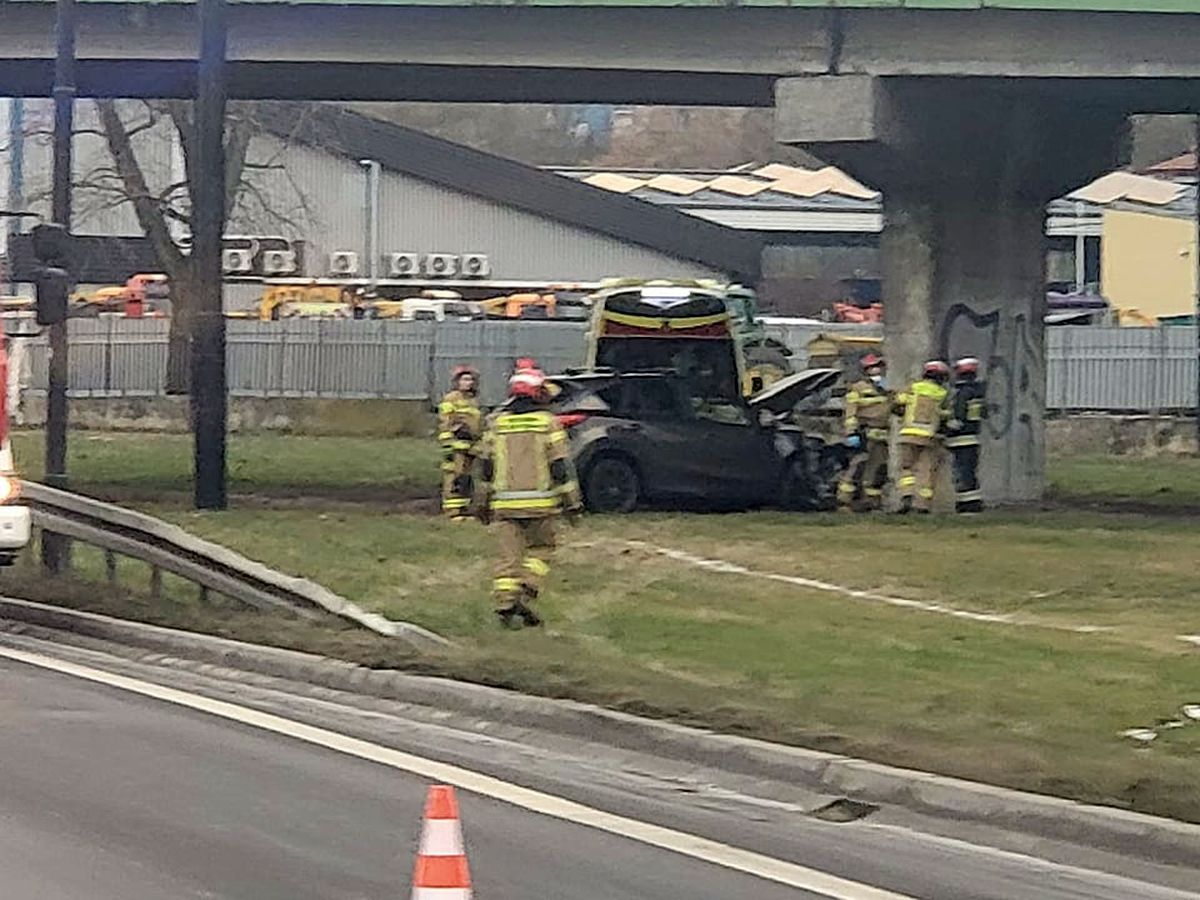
x,y
1160,481
144,466
1034,706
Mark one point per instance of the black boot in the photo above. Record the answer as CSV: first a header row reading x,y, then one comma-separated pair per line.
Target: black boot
x,y
510,616
525,610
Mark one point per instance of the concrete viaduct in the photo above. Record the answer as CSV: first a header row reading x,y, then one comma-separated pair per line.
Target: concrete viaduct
x,y
968,114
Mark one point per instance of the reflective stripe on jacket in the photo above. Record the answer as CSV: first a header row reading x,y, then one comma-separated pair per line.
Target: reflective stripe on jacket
x,y
520,449
970,409
458,411
924,410
867,407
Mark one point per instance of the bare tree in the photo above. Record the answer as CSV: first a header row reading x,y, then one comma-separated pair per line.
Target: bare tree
x,y
157,209
261,194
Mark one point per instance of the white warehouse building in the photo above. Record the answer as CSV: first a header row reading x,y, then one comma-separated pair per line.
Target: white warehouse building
x,y
307,180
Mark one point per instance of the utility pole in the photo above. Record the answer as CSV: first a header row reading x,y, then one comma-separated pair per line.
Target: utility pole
x,y
208,391
16,173
56,547
372,222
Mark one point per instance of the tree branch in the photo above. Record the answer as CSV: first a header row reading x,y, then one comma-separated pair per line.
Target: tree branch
x,y
236,147
149,216
180,112
258,198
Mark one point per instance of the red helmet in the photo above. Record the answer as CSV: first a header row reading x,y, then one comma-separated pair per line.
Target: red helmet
x,y
525,364
459,371
529,382
871,361
968,365
935,368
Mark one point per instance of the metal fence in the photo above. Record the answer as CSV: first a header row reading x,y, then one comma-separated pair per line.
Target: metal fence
x,y
1096,369
327,358
1121,369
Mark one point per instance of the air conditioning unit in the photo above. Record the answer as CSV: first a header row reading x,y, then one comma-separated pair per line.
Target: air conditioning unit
x,y
403,265
475,265
278,262
440,265
343,262
236,262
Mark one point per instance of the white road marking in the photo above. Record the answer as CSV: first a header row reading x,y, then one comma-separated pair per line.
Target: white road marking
x,y
690,845
727,568
1052,870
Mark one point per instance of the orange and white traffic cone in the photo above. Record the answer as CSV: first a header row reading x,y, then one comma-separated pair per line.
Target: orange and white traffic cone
x,y
441,872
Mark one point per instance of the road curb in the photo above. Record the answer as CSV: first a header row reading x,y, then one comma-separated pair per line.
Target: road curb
x,y
1150,837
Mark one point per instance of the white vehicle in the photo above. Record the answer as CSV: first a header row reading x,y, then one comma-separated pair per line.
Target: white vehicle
x,y
15,521
439,308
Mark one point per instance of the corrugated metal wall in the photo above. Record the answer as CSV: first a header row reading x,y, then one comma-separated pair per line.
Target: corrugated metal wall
x,y
117,357
1088,369
320,197
1121,369
419,217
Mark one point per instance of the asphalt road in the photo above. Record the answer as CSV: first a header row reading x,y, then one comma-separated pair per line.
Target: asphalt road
x,y
108,795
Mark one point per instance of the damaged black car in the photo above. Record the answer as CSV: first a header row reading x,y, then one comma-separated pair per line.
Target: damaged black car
x,y
649,438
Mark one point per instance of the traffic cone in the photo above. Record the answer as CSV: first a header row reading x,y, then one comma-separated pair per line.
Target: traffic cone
x,y
441,872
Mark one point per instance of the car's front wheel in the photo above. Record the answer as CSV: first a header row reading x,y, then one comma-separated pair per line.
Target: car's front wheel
x,y
611,485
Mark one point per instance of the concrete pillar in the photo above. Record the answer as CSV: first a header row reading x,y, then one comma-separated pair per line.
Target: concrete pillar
x,y
966,168
966,279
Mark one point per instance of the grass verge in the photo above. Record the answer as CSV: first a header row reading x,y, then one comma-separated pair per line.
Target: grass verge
x,y
125,467
1035,706
1167,482
283,467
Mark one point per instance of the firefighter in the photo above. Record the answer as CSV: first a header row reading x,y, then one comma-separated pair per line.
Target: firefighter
x,y
529,364
968,410
459,429
528,482
866,424
924,409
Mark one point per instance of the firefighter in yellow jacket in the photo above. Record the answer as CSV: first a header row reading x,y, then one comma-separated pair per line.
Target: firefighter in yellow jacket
x,y
528,482
459,429
866,424
924,409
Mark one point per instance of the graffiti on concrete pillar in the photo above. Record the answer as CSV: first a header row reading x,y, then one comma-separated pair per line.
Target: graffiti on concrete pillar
x,y
1013,369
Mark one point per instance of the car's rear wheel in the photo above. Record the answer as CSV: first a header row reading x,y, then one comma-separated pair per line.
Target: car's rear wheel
x,y
611,485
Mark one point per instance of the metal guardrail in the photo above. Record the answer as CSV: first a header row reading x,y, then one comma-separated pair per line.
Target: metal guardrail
x,y
168,548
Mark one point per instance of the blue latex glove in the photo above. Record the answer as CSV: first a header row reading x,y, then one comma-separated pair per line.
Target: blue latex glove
x,y
854,442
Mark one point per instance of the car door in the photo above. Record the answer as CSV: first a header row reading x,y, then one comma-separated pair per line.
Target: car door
x,y
733,457
655,428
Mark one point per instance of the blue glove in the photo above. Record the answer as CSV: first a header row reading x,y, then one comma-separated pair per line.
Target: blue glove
x,y
854,442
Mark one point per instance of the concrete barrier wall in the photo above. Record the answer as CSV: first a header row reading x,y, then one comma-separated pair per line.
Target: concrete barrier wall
x,y
361,418
1092,435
